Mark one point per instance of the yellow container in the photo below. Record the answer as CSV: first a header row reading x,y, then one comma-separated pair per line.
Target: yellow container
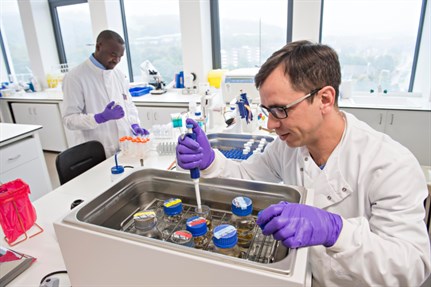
x,y
215,77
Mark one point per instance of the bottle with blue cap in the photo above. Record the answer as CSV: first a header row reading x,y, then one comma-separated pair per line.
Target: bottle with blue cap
x,y
197,226
242,220
225,239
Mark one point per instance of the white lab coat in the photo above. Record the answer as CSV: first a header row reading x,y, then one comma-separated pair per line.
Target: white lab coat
x,y
87,90
376,185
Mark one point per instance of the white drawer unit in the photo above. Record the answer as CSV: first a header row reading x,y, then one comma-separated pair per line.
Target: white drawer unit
x,y
47,115
21,157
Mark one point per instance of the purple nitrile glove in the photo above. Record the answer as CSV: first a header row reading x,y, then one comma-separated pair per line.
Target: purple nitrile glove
x,y
137,130
299,225
111,112
191,153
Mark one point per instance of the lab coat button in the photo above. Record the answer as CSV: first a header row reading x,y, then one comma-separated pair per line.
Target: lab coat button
x,y
301,169
306,158
344,189
329,197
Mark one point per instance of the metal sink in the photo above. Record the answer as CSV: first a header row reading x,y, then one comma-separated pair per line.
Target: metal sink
x,y
110,212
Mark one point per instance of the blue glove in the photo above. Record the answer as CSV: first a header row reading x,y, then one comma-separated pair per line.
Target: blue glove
x,y
194,154
111,112
137,130
299,225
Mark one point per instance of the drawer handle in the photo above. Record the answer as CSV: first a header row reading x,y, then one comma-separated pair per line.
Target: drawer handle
x,y
14,158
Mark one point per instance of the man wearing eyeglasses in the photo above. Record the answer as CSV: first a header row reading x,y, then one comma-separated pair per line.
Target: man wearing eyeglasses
x,y
366,227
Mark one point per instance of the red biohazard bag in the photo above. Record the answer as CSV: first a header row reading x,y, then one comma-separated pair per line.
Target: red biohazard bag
x,y
17,214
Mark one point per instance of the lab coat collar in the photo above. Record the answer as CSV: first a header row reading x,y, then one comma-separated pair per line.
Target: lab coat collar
x,y
96,63
330,183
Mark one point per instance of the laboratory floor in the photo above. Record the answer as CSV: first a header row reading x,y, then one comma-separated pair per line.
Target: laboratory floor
x,y
50,164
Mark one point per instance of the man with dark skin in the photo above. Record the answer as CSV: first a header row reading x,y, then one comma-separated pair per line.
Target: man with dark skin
x,y
97,102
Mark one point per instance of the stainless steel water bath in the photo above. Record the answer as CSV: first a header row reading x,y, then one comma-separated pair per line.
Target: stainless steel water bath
x,y
98,250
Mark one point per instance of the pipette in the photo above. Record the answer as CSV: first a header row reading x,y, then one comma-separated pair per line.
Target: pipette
x,y
195,173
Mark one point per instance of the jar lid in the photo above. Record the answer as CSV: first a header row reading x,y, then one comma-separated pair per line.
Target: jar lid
x,y
117,169
242,206
182,237
144,219
225,236
172,206
197,226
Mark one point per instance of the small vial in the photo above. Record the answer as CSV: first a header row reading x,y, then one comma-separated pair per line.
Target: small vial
x,y
197,226
146,224
183,237
225,240
242,220
205,213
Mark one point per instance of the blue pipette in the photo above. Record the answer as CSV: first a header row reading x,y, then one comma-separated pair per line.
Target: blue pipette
x,y
194,172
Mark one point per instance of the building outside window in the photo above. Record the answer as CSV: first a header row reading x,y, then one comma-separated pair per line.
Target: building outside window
x,y
375,41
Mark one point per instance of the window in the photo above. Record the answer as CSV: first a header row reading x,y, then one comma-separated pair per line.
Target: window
x,y
73,30
375,41
153,34
249,31
15,56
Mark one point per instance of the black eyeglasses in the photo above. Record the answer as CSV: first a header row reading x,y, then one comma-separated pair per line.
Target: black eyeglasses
x,y
280,112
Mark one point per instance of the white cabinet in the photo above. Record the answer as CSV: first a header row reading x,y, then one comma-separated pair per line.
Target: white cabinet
x,y
22,157
47,115
410,128
150,116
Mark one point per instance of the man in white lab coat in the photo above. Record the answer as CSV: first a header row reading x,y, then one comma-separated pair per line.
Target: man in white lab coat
x,y
367,224
97,104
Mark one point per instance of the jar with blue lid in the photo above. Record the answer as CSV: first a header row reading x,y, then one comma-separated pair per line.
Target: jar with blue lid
x,y
225,239
173,210
243,220
197,226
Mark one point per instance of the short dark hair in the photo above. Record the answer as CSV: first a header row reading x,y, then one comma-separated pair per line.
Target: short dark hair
x,y
108,35
307,65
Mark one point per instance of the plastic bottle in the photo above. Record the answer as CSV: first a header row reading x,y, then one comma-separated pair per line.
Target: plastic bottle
x,y
225,240
197,226
117,172
146,224
242,220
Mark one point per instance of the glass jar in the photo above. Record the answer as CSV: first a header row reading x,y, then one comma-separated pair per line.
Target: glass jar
x,y
146,224
242,220
183,237
173,210
225,240
205,212
197,226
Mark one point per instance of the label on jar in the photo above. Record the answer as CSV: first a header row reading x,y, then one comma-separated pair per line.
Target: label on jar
x,y
171,202
196,221
182,234
240,202
144,214
224,231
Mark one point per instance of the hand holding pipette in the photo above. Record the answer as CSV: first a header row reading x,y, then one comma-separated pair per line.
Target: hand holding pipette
x,y
194,152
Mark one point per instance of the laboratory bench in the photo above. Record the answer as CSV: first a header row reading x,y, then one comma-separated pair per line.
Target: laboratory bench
x,y
55,205
44,108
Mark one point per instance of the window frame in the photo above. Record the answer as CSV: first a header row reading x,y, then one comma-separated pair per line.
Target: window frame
x,y
53,5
